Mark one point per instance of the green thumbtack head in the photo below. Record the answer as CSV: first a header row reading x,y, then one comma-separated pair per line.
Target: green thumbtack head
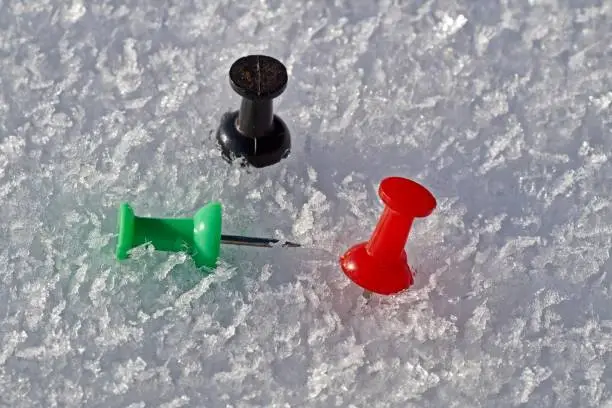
x,y
199,236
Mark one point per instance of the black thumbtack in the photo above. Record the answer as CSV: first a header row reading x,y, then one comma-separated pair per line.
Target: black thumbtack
x,y
254,133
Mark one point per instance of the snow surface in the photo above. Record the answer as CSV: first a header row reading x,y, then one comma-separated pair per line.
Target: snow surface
x,y
501,107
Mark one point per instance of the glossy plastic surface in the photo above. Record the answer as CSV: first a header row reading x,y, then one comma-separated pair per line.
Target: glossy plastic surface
x,y
254,135
380,265
200,236
263,151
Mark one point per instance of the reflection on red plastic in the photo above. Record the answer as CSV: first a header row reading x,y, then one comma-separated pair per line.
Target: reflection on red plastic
x,y
380,265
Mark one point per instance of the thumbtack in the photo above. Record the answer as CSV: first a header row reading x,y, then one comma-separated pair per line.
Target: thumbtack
x,y
254,133
380,265
199,236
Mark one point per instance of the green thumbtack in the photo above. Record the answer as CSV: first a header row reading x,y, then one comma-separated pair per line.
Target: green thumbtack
x,y
199,236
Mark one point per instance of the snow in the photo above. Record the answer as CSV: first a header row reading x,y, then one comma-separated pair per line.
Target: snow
x,y
501,108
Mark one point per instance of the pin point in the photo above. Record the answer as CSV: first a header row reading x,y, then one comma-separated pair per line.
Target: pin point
x,y
199,236
380,265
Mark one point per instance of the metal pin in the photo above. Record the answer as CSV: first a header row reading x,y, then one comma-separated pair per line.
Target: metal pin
x,y
257,242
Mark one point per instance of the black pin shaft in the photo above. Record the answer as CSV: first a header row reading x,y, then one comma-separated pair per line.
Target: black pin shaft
x,y
252,241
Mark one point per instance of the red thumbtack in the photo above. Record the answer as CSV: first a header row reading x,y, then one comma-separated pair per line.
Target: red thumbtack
x,y
380,265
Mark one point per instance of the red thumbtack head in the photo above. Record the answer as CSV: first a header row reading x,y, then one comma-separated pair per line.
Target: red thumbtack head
x,y
380,265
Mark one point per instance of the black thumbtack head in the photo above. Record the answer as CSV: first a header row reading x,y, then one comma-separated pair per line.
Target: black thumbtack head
x,y
254,133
